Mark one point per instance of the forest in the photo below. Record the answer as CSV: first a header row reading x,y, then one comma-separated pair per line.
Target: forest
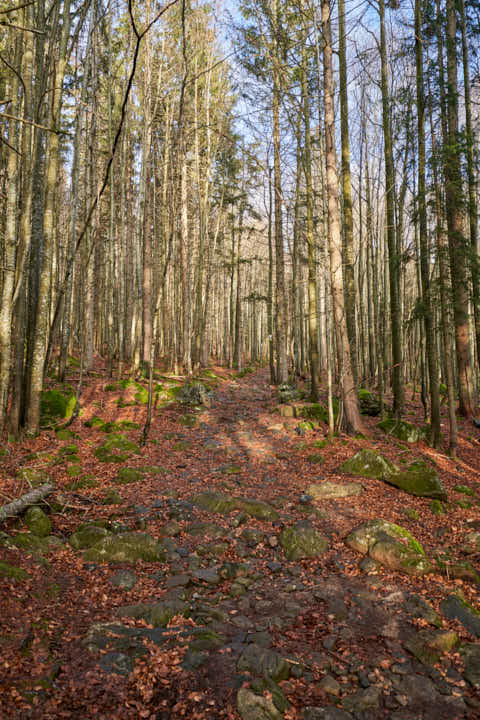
x,y
239,359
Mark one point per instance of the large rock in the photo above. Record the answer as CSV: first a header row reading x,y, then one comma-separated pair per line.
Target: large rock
x,y
220,503
428,645
195,393
328,489
34,544
470,653
38,522
256,707
87,535
302,541
419,479
264,662
55,405
368,403
454,608
126,547
157,614
405,431
391,545
369,463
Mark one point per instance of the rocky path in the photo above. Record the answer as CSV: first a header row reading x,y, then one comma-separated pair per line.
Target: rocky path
x,y
235,567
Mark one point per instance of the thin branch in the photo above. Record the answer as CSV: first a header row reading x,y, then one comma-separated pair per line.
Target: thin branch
x,y
37,125
20,27
18,7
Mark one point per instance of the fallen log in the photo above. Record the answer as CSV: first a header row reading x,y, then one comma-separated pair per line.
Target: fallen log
x,y
20,504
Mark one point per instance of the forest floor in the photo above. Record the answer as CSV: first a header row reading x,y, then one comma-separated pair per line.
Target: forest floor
x,y
216,621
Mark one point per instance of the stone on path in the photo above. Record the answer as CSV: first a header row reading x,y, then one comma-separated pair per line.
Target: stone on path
x,y
256,707
126,547
302,541
328,489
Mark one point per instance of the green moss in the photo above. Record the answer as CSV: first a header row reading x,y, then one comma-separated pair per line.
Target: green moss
x,y
12,573
316,458
83,482
369,463
402,430
111,387
112,497
464,489
419,479
128,475
95,422
437,507
38,522
56,404
182,446
312,411
65,434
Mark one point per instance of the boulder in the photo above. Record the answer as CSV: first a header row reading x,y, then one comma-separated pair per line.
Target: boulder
x,y
157,614
220,503
302,541
470,653
455,608
256,707
87,535
328,489
369,463
128,547
128,475
391,545
428,645
195,393
419,479
264,662
56,404
405,431
368,403
38,522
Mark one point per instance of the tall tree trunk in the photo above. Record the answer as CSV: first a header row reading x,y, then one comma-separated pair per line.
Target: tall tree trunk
x,y
393,259
353,420
456,239
431,349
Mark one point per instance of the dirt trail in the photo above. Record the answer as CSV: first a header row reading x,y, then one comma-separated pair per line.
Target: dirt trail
x,y
199,578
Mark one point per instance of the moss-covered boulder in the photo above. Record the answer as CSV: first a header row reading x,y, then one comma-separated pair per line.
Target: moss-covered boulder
x,y
38,522
157,614
128,475
264,663
217,502
189,421
464,490
34,544
251,706
87,535
419,479
312,411
427,646
195,393
302,541
391,545
95,422
405,431
288,393
128,547
368,403
11,572
369,463
55,405
329,490
116,448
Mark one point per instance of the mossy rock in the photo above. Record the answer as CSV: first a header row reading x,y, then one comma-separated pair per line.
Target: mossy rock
x,y
94,422
152,469
305,426
157,614
369,463
464,489
116,448
219,503
87,535
455,607
312,411
110,427
33,476
38,522
427,646
251,706
55,404
66,450
404,431
316,459
111,387
112,497
368,403
437,507
231,469
264,662
195,393
128,547
128,475
65,434
11,572
419,479
182,446
382,540
189,421
302,541
34,544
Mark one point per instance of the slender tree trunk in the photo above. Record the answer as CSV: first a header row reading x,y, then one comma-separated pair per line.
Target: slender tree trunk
x,y
353,420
